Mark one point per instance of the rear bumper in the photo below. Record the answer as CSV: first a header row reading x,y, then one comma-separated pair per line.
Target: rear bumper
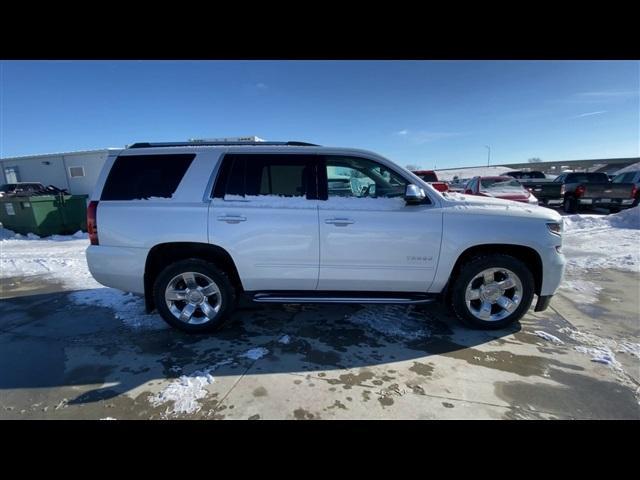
x,y
613,202
118,267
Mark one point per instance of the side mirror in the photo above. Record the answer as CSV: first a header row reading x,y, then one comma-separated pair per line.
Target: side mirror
x,y
414,194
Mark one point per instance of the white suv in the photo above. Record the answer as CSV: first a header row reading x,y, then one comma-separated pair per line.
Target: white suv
x,y
196,226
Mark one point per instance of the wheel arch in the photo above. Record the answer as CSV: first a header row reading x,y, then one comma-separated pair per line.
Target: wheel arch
x,y
164,254
528,255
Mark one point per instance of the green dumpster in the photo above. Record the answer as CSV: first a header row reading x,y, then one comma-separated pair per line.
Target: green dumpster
x,y
44,215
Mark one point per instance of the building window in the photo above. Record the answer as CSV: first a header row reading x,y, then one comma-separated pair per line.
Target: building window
x,y
76,172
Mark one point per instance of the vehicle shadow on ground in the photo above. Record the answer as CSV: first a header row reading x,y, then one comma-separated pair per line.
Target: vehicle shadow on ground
x,y
48,341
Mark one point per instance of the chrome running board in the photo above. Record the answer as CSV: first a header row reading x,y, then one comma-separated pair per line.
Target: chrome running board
x,y
267,298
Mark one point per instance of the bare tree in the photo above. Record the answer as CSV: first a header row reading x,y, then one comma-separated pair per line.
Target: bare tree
x,y
534,160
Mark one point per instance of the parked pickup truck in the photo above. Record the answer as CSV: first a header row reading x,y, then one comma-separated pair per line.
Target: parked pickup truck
x,y
593,190
630,177
546,191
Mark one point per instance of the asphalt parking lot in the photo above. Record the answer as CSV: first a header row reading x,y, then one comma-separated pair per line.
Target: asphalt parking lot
x,y
63,360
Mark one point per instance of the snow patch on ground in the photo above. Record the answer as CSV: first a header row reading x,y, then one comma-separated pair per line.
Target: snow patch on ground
x,y
581,291
602,350
602,355
393,320
126,307
548,337
185,392
285,340
255,353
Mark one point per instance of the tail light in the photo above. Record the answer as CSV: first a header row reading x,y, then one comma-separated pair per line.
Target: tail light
x,y
634,190
562,190
441,187
92,224
580,189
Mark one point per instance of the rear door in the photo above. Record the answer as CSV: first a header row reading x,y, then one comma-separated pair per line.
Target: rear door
x,y
265,214
370,239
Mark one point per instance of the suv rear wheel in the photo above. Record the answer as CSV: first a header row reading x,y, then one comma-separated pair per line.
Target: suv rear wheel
x,y
492,291
193,296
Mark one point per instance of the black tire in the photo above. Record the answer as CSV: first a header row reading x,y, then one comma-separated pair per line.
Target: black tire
x,y
570,205
227,295
636,202
614,210
472,268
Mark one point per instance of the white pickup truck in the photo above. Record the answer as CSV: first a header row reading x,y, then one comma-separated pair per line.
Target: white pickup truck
x,y
196,226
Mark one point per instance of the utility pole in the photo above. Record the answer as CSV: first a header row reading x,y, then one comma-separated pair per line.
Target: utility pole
x,y
488,155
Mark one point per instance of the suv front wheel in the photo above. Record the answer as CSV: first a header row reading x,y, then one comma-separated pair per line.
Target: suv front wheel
x,y
492,291
193,296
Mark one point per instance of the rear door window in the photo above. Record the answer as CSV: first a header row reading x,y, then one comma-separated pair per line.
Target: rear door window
x,y
283,175
135,177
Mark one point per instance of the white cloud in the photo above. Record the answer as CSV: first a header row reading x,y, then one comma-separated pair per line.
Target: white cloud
x,y
589,114
608,94
425,136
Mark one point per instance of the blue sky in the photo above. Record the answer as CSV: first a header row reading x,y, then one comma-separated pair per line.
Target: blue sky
x,y
427,113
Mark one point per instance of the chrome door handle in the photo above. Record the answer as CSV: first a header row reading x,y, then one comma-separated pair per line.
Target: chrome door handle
x,y
339,222
231,218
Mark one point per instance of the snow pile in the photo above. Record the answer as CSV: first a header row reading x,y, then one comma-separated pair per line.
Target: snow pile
x,y
60,257
598,242
126,306
548,337
629,218
449,173
393,320
185,392
255,353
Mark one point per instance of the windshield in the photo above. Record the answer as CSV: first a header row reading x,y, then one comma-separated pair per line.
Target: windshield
x,y
501,183
8,187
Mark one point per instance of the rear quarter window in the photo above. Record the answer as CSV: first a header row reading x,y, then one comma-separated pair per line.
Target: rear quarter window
x,y
135,177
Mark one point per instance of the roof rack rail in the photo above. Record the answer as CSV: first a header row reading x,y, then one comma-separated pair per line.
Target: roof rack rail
x,y
217,143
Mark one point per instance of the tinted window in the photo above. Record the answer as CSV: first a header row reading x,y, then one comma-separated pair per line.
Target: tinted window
x,y
587,178
143,176
624,177
266,174
428,177
361,177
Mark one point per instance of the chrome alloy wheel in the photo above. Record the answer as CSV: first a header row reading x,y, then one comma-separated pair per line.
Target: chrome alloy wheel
x,y
493,294
193,298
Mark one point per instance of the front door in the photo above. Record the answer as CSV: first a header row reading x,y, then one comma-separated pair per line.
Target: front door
x,y
370,239
265,214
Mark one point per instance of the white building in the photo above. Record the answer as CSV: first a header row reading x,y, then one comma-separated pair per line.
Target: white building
x,y
75,171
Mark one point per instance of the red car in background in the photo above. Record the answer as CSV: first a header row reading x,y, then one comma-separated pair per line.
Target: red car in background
x,y
431,178
504,187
